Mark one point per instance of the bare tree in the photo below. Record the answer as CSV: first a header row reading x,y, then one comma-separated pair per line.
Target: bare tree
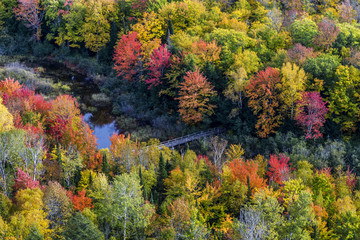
x,y
33,154
218,146
251,225
276,18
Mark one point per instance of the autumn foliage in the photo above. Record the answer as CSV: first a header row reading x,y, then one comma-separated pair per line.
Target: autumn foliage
x,y
127,56
264,98
194,97
246,170
24,181
30,12
160,60
311,113
80,201
279,170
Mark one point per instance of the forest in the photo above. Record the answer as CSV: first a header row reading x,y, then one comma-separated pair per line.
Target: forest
x,y
280,78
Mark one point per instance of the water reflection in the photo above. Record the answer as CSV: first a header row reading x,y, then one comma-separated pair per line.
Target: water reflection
x,y
101,131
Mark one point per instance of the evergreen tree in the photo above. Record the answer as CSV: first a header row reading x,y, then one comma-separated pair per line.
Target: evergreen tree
x,y
161,176
80,227
34,234
105,166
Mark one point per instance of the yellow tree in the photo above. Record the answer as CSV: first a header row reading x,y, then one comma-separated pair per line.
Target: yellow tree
x,y
236,88
30,214
96,29
293,84
245,63
149,28
6,119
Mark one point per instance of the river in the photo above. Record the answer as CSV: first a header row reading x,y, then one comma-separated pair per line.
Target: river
x,y
99,118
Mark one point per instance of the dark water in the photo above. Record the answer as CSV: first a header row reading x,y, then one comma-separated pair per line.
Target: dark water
x,y
99,118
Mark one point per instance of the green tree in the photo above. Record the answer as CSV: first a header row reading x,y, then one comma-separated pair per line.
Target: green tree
x,y
344,98
161,176
130,212
323,67
299,216
80,227
303,31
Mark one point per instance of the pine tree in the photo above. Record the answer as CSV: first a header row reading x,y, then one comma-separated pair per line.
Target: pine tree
x,y
105,166
161,176
34,234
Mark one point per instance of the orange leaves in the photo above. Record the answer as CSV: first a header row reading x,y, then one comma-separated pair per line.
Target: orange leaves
x,y
9,86
264,98
64,106
127,56
118,143
241,170
30,12
195,93
206,52
80,201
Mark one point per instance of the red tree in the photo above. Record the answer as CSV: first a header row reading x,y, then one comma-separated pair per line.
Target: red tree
x,y
195,93
310,114
264,98
160,60
55,128
279,170
80,201
126,56
24,181
241,170
30,12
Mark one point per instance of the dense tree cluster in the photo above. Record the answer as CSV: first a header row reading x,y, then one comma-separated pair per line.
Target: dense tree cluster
x,y
55,184
277,75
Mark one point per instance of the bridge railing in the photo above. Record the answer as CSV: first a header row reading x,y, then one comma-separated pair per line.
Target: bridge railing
x,y
190,137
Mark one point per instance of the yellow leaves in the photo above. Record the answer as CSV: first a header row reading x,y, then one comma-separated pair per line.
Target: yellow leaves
x,y
345,205
149,28
6,119
291,191
183,14
147,48
183,40
30,214
293,84
235,151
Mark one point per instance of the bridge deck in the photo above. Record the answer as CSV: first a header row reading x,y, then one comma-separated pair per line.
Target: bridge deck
x,y
188,138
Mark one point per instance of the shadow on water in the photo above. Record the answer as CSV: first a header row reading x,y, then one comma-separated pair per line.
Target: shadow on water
x,y
99,118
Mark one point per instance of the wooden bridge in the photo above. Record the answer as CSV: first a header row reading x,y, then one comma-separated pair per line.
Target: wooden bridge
x,y
191,137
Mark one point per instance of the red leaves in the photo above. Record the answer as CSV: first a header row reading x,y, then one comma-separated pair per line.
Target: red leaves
x,y
264,98
55,128
350,179
195,93
126,56
310,114
279,170
80,201
241,170
160,60
24,181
